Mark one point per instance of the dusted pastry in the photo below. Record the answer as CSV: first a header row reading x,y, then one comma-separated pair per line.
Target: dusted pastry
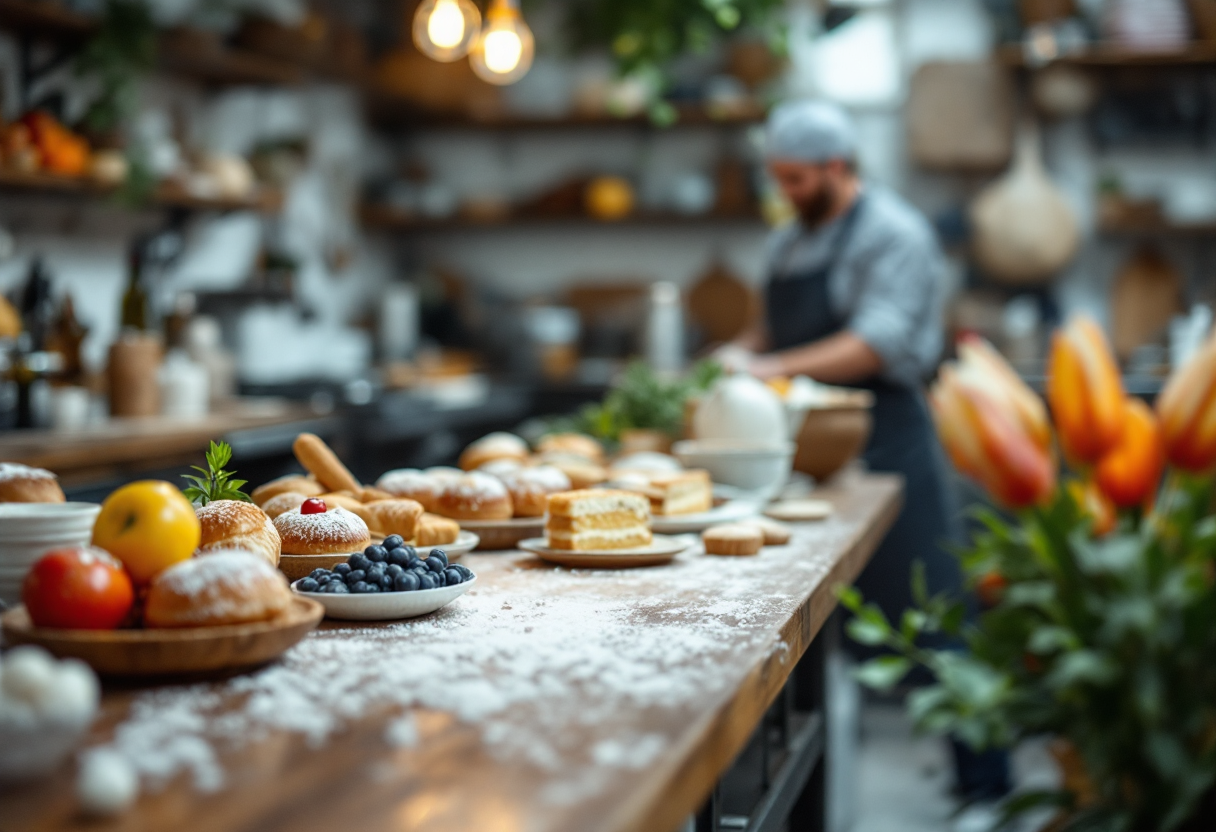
x,y
226,587
530,488
23,484
434,530
475,496
493,446
333,532
232,524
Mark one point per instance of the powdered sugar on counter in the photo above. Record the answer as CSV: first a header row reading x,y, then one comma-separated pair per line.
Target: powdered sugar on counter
x,y
535,646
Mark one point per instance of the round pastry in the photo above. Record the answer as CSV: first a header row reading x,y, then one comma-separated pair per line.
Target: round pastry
x,y
332,532
502,467
794,511
530,488
292,482
582,474
23,484
494,446
434,530
280,503
226,587
444,473
395,517
775,533
732,539
232,524
577,444
476,496
412,484
351,504
650,462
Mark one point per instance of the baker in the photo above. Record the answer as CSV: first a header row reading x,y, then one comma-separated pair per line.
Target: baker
x,y
854,296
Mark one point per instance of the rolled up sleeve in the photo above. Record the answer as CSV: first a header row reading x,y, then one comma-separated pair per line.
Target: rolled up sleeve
x,y
897,311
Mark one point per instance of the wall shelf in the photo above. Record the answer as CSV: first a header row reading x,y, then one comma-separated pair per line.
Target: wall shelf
x,y
265,201
41,19
392,113
1156,228
385,218
1199,53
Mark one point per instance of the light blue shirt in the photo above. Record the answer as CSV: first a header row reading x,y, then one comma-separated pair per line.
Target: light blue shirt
x,y
888,284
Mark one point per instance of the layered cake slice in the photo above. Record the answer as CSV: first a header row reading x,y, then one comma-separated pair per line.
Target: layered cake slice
x,y
595,519
686,492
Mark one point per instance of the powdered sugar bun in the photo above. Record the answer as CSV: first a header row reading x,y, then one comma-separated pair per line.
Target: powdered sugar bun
x,y
530,488
225,587
333,532
475,496
493,446
281,503
233,524
412,484
23,484
502,468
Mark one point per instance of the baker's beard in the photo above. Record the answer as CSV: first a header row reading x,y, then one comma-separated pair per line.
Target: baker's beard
x,y
814,210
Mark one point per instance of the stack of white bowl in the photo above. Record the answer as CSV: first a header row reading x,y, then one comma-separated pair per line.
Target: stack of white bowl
x,y
30,530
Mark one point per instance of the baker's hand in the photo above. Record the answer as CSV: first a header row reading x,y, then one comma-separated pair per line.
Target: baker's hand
x,y
733,359
766,366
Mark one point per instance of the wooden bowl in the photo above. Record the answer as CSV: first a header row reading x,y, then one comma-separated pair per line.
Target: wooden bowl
x,y
171,651
833,436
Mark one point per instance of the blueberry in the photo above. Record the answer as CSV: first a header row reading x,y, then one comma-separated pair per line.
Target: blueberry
x,y
316,573
451,577
406,582
395,570
358,561
386,582
420,568
354,577
335,588
343,569
393,541
429,581
415,562
464,570
400,556
373,588
360,587
377,570
376,554
440,555
436,565
308,585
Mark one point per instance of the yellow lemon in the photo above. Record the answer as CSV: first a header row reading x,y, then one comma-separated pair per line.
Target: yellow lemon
x,y
148,525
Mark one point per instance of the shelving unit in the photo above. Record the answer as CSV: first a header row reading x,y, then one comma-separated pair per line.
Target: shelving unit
x,y
32,18
1200,53
266,201
389,113
1157,228
384,218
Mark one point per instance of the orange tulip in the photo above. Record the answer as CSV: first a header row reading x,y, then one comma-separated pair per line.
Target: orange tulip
x,y
1085,391
986,439
1011,393
1095,504
1129,474
1187,407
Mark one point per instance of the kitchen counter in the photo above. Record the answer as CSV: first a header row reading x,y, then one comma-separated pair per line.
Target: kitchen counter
x,y
124,447
544,699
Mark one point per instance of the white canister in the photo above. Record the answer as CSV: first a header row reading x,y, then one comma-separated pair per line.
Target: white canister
x,y
184,387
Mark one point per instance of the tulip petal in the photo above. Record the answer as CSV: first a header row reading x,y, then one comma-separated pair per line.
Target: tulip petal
x,y
1187,407
1085,391
1130,473
977,352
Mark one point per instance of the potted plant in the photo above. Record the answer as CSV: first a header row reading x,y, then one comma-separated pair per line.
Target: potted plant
x,y
1099,625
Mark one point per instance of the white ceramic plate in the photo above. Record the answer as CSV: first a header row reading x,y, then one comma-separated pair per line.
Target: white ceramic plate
x,y
692,523
387,606
465,543
662,549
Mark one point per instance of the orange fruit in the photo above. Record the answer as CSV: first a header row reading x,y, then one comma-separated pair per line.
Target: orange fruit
x,y
609,198
148,525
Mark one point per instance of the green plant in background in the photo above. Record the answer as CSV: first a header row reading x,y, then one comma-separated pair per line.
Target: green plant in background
x,y
215,483
645,36
115,58
643,400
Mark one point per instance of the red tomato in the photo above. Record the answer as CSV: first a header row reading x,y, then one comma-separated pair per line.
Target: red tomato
x,y
80,588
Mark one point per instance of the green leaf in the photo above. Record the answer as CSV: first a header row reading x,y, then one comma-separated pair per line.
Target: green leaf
x,y
1050,639
884,672
920,587
1083,667
215,483
868,632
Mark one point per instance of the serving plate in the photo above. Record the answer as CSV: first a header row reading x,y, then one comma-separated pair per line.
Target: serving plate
x,y
298,566
503,535
727,512
171,651
662,549
386,606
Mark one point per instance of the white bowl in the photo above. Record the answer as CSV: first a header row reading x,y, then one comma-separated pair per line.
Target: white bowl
x,y
385,606
30,530
31,751
754,466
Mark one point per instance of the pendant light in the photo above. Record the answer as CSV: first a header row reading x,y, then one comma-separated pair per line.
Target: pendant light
x,y
445,30
503,53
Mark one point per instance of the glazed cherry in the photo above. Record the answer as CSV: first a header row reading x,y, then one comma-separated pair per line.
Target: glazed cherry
x,y
313,506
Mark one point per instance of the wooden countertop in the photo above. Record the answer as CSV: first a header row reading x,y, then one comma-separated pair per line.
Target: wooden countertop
x,y
134,443
544,699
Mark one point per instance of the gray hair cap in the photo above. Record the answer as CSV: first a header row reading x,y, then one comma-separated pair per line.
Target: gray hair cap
x,y
810,131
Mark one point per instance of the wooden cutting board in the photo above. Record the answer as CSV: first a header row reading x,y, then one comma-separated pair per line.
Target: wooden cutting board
x,y
960,116
722,304
1146,294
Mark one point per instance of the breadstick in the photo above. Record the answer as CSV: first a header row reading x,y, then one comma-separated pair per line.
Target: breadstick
x,y
322,463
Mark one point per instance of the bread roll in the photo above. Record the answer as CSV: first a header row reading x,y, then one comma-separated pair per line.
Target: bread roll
x,y
23,484
412,484
530,488
232,524
351,504
225,587
493,446
281,503
476,496
323,463
395,517
575,444
291,482
434,530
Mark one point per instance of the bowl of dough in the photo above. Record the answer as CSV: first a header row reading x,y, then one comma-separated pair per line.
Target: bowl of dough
x,y
741,436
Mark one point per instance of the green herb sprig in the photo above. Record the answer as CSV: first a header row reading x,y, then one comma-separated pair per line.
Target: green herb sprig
x,y
215,483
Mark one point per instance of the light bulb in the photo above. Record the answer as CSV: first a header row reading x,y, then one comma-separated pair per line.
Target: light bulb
x,y
445,30
503,53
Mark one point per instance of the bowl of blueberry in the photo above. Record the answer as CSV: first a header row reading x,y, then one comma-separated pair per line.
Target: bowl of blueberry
x,y
385,581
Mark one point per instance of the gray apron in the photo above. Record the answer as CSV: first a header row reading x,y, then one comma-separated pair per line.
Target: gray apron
x,y
799,311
